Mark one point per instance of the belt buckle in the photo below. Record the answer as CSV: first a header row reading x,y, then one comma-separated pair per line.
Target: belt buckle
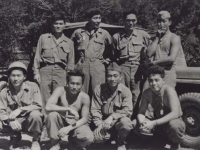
x,y
92,59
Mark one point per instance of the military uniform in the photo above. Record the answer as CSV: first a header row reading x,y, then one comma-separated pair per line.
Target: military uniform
x,y
52,59
119,106
97,52
130,46
29,101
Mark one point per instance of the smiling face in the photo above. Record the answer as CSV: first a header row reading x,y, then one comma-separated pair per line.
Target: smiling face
x,y
113,78
95,21
58,26
130,21
75,84
163,23
16,78
156,82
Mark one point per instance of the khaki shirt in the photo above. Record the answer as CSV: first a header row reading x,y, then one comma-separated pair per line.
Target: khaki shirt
x,y
96,45
29,98
50,50
132,46
104,104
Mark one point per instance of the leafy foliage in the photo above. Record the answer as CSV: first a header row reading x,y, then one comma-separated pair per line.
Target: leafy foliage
x,y
22,22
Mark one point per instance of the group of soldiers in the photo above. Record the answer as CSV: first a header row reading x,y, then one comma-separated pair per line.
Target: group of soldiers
x,y
114,68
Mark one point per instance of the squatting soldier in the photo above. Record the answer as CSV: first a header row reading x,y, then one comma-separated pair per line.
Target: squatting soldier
x,y
93,46
70,115
128,45
112,108
165,121
20,106
54,55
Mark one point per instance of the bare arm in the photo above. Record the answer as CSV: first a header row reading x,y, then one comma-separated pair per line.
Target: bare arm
x,y
174,105
53,100
151,49
175,47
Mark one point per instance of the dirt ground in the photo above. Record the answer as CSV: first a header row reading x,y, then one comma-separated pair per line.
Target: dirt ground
x,y
135,145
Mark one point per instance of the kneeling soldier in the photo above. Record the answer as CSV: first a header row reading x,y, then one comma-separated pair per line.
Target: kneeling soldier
x,y
112,108
69,113
166,110
20,106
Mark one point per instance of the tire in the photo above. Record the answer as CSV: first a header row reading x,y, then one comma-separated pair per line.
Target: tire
x,y
190,104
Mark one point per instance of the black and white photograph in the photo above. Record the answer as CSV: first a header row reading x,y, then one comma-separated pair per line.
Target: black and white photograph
x,y
99,74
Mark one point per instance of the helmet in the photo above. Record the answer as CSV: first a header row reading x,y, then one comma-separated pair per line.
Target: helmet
x,y
17,64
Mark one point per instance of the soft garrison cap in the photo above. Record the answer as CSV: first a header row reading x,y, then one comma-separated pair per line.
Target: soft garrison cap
x,y
114,67
164,13
15,65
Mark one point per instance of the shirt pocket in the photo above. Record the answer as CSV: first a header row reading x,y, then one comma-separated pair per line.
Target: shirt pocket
x,y
123,49
98,45
64,51
137,46
47,51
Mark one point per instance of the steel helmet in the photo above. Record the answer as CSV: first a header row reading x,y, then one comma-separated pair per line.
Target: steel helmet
x,y
15,65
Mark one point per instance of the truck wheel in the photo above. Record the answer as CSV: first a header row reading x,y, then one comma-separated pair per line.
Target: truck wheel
x,y
190,104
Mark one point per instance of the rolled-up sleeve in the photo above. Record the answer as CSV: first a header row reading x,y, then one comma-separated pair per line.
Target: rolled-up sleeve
x,y
71,57
96,107
126,107
37,58
3,106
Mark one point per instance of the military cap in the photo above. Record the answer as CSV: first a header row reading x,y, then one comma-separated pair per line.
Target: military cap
x,y
114,67
164,13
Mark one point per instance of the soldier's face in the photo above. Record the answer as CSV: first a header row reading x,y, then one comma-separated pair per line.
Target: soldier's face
x,y
130,21
163,23
156,82
58,26
75,84
95,21
113,78
16,78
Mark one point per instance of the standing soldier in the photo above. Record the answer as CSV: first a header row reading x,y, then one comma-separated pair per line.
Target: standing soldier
x,y
166,48
93,46
128,45
20,106
54,55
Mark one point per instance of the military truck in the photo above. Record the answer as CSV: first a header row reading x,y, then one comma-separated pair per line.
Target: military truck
x,y
188,89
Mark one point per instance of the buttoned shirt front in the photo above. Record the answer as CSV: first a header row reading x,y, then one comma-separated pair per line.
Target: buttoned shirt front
x,y
28,99
132,45
96,45
119,104
53,51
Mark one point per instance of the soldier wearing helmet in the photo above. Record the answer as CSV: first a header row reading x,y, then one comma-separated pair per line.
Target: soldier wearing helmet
x,y
20,106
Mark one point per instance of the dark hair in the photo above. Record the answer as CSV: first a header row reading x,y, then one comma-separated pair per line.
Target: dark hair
x,y
76,73
16,68
155,69
57,16
91,12
125,14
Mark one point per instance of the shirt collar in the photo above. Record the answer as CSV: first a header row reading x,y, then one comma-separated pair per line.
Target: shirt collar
x,y
62,38
119,88
98,31
24,87
134,33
